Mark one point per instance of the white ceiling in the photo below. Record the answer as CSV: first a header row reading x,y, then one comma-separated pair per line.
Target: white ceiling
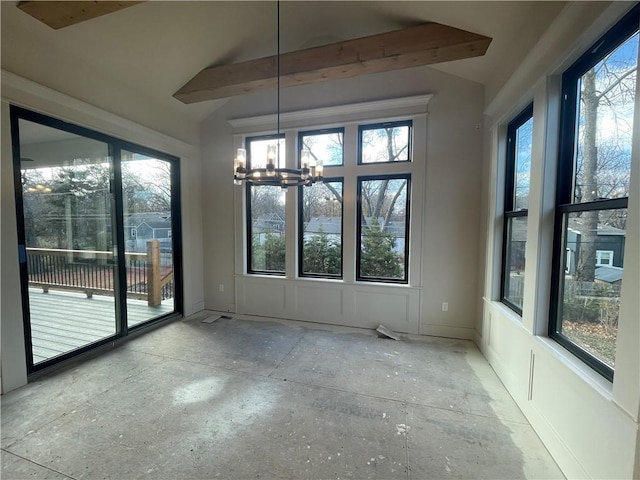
x,y
131,62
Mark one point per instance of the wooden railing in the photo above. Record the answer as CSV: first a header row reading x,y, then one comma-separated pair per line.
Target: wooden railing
x,y
93,272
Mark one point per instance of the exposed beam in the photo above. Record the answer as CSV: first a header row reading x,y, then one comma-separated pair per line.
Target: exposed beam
x,y
63,14
424,44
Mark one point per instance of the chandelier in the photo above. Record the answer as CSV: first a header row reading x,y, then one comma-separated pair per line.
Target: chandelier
x,y
307,175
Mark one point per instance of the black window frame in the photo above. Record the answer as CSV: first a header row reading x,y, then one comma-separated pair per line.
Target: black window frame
x,y
248,187
565,178
301,272
364,178
509,208
247,146
249,219
377,126
320,131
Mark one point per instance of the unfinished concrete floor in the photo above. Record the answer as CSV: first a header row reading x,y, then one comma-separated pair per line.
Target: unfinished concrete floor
x,y
240,399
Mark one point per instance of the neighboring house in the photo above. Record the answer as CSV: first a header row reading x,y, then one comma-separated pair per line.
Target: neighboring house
x,y
140,227
332,227
271,223
609,246
610,275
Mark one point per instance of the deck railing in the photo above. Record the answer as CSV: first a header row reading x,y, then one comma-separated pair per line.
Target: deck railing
x,y
93,272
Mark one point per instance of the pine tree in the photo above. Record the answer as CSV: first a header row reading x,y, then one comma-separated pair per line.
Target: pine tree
x,y
378,258
274,252
322,255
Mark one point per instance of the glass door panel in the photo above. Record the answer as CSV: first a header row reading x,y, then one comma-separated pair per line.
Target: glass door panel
x,y
149,247
69,240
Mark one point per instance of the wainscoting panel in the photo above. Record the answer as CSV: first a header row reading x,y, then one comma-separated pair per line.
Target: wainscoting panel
x,y
354,305
397,309
322,304
260,296
559,395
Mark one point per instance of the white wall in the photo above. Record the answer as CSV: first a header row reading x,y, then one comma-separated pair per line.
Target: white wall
x,y
13,366
22,92
589,424
448,209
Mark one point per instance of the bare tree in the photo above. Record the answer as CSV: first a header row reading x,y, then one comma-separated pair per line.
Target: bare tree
x,y
603,157
378,200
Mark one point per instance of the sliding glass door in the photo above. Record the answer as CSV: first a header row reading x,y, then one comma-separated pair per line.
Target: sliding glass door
x,y
97,222
148,233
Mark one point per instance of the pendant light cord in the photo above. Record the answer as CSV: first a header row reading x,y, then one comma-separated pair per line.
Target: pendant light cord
x,y
278,87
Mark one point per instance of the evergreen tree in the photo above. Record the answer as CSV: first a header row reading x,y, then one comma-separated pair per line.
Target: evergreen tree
x,y
321,255
378,258
274,252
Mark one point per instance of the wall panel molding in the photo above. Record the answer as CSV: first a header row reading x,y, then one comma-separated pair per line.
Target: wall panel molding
x,y
334,303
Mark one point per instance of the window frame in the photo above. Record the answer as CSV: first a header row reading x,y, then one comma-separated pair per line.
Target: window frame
x,y
509,213
564,203
248,214
116,146
249,231
377,126
270,136
301,273
359,180
320,131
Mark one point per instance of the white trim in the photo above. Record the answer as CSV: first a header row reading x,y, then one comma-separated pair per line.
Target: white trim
x,y
287,297
418,103
350,305
25,93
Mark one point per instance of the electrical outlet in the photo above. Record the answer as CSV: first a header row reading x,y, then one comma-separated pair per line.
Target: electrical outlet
x,y
221,287
445,307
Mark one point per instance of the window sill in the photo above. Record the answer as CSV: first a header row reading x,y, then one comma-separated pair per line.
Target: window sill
x,y
335,281
505,311
332,281
281,276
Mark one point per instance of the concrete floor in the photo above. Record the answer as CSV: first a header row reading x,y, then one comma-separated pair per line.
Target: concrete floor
x,y
239,399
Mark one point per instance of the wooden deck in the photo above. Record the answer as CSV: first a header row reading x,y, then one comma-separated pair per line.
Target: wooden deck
x,y
64,321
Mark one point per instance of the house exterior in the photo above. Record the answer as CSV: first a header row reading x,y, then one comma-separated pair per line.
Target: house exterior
x,y
140,227
332,228
610,243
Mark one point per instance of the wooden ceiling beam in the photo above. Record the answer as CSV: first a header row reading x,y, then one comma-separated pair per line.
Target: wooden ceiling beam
x,y
411,47
63,14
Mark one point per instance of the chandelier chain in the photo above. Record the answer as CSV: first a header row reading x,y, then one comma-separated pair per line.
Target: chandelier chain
x,y
273,175
278,78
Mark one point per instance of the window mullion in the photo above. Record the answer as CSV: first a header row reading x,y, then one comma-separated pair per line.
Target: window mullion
x,y
609,204
349,232
349,209
291,203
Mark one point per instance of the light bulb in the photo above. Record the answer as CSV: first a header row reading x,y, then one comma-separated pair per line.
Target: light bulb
x,y
304,158
241,158
271,154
